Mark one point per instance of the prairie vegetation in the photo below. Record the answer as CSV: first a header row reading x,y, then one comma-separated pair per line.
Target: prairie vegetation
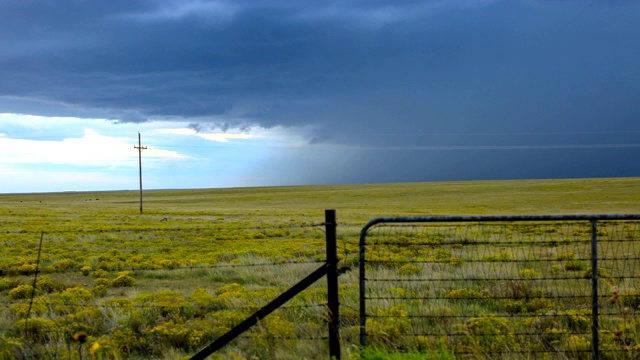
x,y
115,283
507,290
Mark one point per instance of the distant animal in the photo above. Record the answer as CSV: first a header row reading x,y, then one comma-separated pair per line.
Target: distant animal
x,y
164,219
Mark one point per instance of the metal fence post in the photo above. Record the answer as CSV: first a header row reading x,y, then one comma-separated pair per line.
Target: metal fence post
x,y
332,284
594,291
362,284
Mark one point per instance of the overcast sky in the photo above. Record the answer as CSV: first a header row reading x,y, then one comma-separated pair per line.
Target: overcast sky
x,y
251,93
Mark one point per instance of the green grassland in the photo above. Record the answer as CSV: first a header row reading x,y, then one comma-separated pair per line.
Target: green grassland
x,y
164,283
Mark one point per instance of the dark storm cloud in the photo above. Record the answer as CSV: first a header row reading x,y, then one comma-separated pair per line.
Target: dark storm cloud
x,y
357,72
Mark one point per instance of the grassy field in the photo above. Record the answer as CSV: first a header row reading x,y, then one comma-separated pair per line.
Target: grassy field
x,y
165,283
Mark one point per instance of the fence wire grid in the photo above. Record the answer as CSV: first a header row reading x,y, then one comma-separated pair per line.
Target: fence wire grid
x,y
141,291
502,289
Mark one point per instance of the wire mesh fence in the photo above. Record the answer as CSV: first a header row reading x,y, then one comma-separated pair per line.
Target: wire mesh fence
x,y
507,288
147,291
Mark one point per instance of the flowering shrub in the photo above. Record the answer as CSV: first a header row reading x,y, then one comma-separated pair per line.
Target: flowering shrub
x,y
27,269
465,294
575,265
602,273
169,332
631,299
85,270
123,281
225,320
576,320
120,302
86,320
127,341
45,284
39,307
528,274
102,282
36,329
10,349
566,256
75,295
99,290
62,265
164,303
6,283
578,345
389,326
487,333
100,273
409,269
275,326
22,292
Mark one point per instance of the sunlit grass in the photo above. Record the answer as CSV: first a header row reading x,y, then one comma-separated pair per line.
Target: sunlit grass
x,y
201,239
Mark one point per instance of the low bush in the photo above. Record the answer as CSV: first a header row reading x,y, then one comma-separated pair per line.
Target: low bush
x,y
575,265
47,285
6,284
465,294
631,299
409,269
487,333
27,269
62,265
37,330
528,274
22,292
123,281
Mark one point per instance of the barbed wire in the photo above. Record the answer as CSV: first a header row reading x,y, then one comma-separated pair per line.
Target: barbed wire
x,y
494,279
210,228
155,306
547,315
440,261
218,227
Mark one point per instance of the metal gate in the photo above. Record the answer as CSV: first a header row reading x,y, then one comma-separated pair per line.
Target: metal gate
x,y
502,286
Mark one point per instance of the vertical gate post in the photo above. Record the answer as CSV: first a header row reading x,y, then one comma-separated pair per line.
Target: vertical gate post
x,y
332,284
594,291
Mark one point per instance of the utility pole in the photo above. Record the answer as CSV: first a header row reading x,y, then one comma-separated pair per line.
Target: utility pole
x,y
140,148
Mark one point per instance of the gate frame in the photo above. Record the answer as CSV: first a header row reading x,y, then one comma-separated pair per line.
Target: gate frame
x,y
329,268
504,218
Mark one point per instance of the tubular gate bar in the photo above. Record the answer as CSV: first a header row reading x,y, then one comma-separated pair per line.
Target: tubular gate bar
x,y
486,220
329,269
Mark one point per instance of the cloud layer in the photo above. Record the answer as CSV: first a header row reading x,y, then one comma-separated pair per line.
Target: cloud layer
x,y
501,76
